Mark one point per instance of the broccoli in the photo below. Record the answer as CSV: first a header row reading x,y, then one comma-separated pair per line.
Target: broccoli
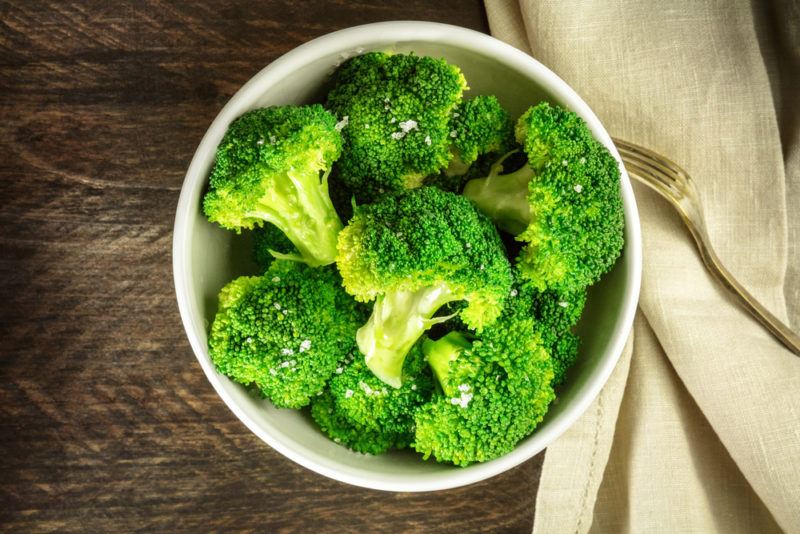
x,y
360,411
267,170
397,108
555,314
268,240
495,389
284,332
565,205
478,126
339,429
413,252
563,352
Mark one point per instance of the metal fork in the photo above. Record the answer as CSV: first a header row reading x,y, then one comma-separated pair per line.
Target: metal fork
x,y
674,184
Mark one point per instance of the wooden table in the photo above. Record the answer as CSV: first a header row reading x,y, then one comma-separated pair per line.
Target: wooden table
x,y
107,421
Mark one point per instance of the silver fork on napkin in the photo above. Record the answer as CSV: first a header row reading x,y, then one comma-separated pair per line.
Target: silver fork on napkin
x,y
674,184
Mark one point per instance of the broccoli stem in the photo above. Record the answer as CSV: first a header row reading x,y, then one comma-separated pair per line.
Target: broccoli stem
x,y
302,209
398,320
440,353
503,197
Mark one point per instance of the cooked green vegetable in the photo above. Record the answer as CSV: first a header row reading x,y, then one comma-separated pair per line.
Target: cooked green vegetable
x,y
556,313
423,334
495,389
360,411
396,108
267,241
478,127
412,253
565,205
284,332
267,170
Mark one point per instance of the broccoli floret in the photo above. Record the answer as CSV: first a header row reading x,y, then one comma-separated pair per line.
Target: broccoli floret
x,y
481,126
360,411
269,241
563,352
284,332
495,389
480,130
339,429
414,252
267,170
555,314
397,109
565,205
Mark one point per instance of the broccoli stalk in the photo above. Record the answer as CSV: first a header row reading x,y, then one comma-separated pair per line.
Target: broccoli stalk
x,y
503,197
412,253
565,205
441,353
267,170
302,209
398,320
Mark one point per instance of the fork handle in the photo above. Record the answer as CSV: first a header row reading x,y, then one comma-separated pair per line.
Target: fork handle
x,y
776,327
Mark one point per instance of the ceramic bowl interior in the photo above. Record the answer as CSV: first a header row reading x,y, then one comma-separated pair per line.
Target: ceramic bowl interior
x,y
206,257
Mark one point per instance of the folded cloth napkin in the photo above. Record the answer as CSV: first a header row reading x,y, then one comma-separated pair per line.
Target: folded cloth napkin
x,y
698,429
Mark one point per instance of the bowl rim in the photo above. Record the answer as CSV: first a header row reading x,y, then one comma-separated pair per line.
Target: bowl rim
x,y
349,39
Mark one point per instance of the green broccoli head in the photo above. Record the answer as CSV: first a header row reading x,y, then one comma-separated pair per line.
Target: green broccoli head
x,y
397,109
480,130
555,313
479,126
284,332
268,242
412,253
565,205
336,426
495,389
267,170
361,412
564,353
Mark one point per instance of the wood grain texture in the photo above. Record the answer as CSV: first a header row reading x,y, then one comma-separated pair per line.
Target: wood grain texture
x,y
107,422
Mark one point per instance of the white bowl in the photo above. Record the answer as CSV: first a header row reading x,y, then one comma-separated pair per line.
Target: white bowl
x,y
206,257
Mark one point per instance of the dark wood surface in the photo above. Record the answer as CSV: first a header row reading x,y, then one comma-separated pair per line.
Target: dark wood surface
x,y
107,422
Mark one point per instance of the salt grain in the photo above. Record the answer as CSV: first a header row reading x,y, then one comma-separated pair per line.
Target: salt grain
x,y
342,123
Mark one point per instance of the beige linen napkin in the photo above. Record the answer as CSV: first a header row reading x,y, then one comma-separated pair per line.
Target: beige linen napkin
x,y
698,429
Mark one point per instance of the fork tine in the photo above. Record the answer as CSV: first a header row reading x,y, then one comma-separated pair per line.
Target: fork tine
x,y
655,180
659,167
667,164
646,161
652,170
